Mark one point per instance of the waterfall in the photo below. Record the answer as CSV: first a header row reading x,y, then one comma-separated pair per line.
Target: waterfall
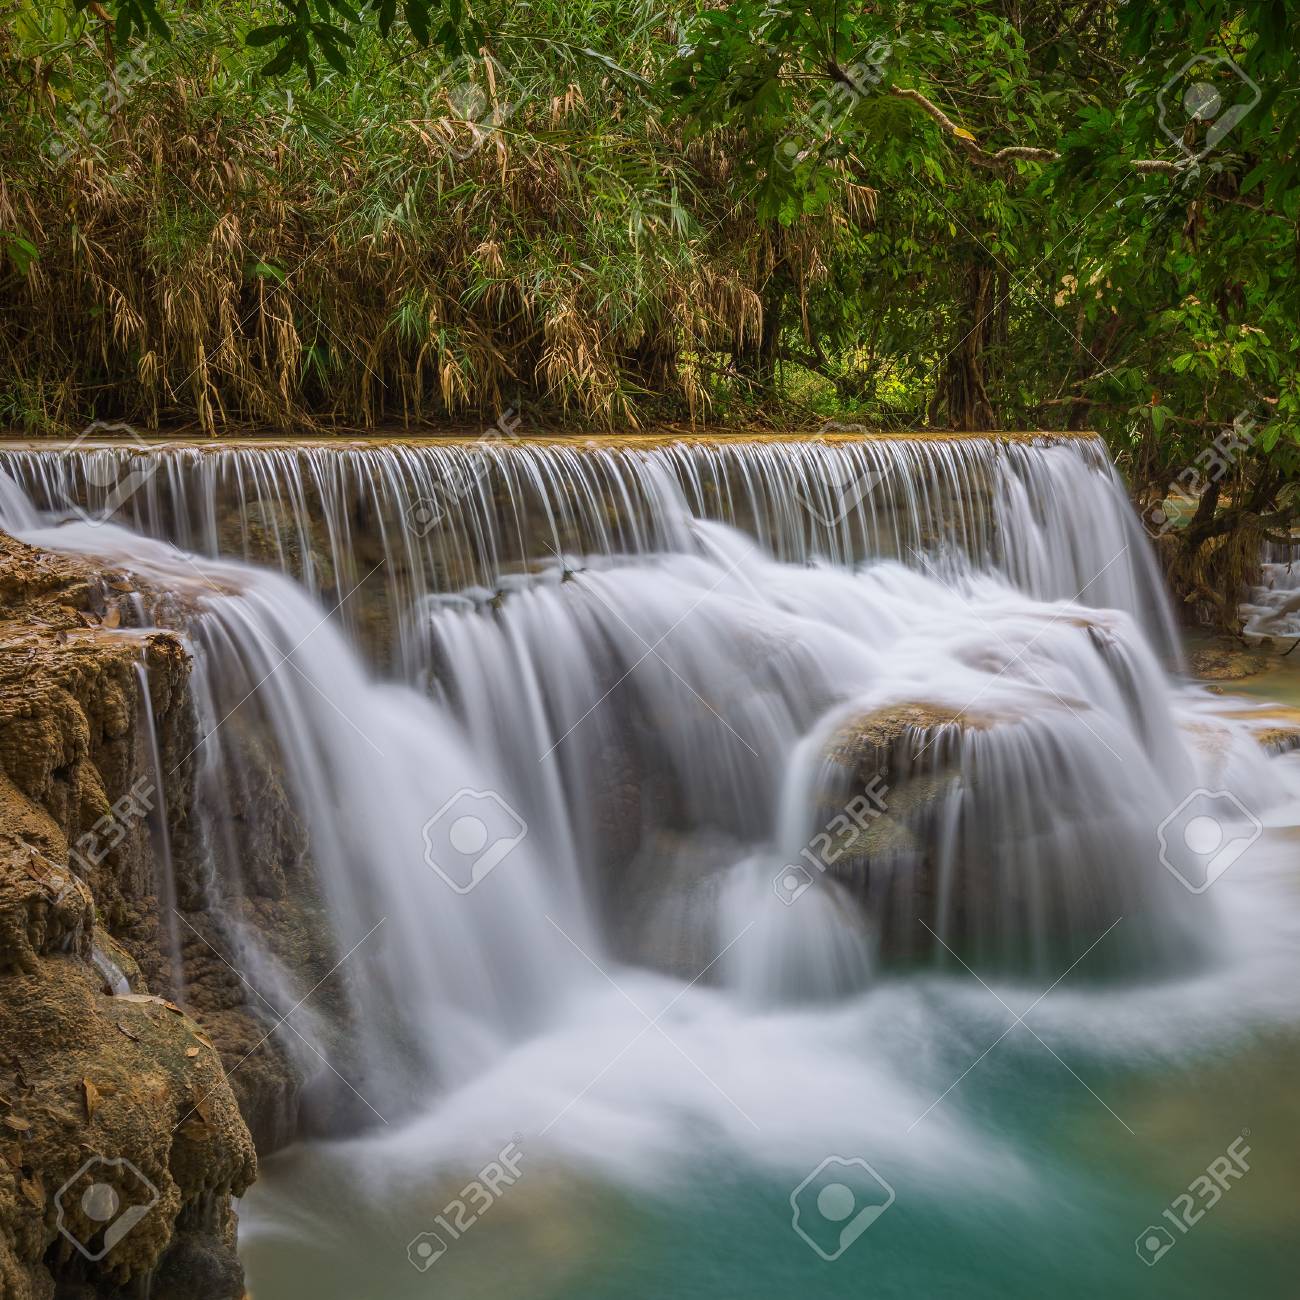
x,y
16,510
643,709
647,652
1272,609
690,719
674,807
367,765
165,882
373,527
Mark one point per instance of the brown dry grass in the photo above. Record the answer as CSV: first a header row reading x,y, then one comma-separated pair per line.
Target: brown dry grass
x,y
210,259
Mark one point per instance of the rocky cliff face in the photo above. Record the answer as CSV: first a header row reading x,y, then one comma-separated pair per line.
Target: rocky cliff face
x,y
121,1140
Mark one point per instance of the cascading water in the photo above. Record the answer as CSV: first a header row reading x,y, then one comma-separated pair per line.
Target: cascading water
x,y
732,673
1273,608
366,764
1049,514
660,675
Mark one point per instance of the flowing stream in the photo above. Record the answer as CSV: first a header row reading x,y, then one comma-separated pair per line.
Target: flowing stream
x,y
1273,608
754,867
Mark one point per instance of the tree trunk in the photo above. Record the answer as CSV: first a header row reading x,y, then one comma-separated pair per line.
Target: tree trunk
x,y
961,399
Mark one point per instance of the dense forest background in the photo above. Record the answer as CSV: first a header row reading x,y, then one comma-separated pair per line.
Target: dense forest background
x,y
610,214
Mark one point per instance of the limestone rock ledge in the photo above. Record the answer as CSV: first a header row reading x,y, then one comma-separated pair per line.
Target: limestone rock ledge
x,y
910,750
116,1117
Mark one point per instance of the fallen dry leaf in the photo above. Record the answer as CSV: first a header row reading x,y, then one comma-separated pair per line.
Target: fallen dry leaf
x,y
92,1098
195,1129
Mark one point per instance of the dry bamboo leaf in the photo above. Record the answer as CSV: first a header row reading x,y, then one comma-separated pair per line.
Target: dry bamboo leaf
x,y
135,1038
92,1098
17,1123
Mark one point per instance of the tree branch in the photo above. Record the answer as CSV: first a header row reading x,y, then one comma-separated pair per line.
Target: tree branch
x,y
1012,153
967,142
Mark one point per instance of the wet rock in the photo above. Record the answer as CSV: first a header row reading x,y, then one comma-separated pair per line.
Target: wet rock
x,y
1227,661
1284,738
908,753
1005,842
111,1108
1276,727
96,1081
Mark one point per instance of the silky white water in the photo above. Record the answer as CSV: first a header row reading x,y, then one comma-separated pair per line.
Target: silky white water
x,y
1272,609
625,993
401,520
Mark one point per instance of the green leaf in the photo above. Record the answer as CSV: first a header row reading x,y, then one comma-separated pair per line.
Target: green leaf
x,y
417,19
22,252
267,271
334,57
266,35
281,63
387,10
